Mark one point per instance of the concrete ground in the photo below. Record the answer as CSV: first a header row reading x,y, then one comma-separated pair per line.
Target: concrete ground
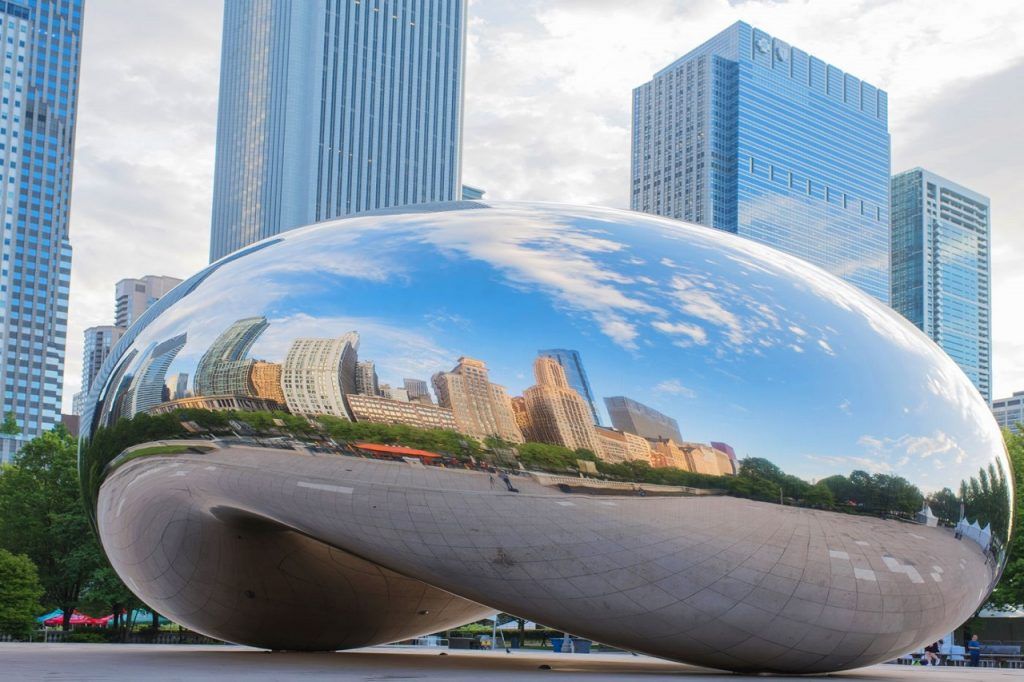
x,y
195,663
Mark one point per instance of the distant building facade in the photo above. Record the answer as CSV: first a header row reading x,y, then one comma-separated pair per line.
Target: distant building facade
x,y
634,417
216,403
481,409
572,363
149,385
418,391
265,379
317,374
367,408
132,297
557,413
99,341
330,109
619,446
730,453
366,378
225,368
750,135
1009,412
941,268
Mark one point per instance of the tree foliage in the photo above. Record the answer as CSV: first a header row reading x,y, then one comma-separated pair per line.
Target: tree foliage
x,y
1010,590
10,427
19,594
41,516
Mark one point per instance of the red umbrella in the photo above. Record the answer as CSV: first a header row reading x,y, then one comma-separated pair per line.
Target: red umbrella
x,y
76,619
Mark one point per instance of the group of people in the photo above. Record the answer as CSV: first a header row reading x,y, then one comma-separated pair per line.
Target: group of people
x,y
931,653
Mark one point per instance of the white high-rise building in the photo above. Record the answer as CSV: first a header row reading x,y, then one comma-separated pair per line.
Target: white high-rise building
x,y
328,109
134,296
317,374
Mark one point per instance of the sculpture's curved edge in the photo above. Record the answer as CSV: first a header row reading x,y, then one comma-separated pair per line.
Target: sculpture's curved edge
x,y
639,573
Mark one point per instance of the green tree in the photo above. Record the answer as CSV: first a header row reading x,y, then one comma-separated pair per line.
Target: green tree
x,y
105,593
19,594
819,496
1010,590
10,425
42,516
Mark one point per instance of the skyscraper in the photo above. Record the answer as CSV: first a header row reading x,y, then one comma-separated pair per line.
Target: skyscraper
x,y
557,414
480,408
37,141
149,386
330,108
225,369
132,297
98,342
634,417
418,391
941,265
319,373
750,135
366,378
1009,412
572,364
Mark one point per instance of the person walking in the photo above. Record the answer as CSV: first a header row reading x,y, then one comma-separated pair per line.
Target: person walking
x,y
974,650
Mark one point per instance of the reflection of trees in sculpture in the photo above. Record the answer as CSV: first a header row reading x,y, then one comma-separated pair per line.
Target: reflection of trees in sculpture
x,y
1010,590
946,506
876,494
984,498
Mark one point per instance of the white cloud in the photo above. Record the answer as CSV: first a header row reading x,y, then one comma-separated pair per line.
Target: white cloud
x,y
675,387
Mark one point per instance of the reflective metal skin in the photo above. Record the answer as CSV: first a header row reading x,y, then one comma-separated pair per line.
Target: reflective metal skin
x,y
787,475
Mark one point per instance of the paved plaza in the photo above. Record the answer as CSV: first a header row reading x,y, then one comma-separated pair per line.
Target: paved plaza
x,y
194,663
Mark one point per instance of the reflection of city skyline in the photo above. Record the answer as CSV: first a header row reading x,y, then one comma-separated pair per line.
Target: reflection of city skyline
x,y
325,376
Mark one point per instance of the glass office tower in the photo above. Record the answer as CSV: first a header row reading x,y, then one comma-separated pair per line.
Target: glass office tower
x,y
42,47
941,265
329,108
750,135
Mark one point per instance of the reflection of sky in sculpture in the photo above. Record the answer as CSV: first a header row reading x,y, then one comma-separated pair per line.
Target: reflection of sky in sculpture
x,y
737,342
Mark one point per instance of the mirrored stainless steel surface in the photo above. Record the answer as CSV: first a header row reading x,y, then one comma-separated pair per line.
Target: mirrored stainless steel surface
x,y
653,434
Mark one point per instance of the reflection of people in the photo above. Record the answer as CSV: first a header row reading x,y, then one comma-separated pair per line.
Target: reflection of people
x,y
508,483
974,649
490,479
931,653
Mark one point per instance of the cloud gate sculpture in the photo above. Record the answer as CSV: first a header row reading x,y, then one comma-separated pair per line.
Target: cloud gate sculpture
x,y
653,434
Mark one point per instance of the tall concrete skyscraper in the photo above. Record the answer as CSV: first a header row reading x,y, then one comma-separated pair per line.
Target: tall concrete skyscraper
x,y
133,296
42,40
556,412
572,364
480,408
750,135
941,268
329,108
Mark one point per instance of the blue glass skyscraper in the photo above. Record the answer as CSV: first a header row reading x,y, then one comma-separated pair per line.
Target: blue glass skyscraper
x,y
575,375
750,135
941,265
331,107
42,47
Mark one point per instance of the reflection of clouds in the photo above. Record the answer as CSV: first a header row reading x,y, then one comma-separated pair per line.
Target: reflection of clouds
x,y
844,406
693,334
846,464
547,250
674,387
922,447
397,351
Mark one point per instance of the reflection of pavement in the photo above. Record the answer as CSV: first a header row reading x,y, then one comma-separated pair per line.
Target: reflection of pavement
x,y
718,580
200,663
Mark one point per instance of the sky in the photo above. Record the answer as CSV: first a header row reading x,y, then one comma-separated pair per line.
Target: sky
x,y
547,117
